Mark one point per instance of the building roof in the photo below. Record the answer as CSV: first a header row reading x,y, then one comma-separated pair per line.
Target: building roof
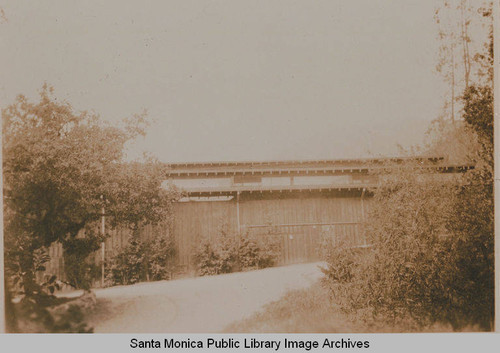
x,y
362,174
304,167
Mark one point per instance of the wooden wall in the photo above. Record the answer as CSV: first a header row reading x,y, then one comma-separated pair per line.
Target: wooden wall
x,y
300,241
300,208
198,219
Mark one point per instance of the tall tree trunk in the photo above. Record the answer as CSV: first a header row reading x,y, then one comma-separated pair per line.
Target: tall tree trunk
x,y
465,42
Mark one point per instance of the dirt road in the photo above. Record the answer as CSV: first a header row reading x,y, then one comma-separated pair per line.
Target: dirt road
x,y
204,304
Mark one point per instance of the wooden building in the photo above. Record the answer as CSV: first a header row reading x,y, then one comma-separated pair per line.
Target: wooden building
x,y
303,202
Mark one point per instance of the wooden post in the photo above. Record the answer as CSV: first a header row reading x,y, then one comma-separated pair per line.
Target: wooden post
x,y
238,212
363,215
239,227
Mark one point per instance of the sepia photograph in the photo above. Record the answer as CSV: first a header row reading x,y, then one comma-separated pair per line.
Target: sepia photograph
x,y
247,167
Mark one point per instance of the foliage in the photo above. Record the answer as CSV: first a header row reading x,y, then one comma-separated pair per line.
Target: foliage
x,y
305,310
401,277
162,262
80,271
38,291
135,196
432,255
207,259
432,258
38,311
473,222
51,315
268,249
143,259
217,256
60,169
229,253
478,113
71,320
127,266
248,253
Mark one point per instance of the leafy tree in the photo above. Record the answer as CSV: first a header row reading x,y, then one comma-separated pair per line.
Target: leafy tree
x,y
432,258
60,169
473,224
473,221
478,114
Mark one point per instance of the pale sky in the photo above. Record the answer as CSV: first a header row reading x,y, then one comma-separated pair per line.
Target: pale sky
x,y
232,79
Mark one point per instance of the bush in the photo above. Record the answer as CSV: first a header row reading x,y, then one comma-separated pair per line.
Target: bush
x,y
80,270
269,249
127,266
36,308
217,256
430,260
143,259
162,261
49,314
229,253
248,253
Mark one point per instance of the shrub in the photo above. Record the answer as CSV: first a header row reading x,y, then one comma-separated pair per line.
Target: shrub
x,y
217,256
432,259
79,269
49,314
127,266
143,259
162,261
33,311
228,253
269,249
207,259
425,265
248,253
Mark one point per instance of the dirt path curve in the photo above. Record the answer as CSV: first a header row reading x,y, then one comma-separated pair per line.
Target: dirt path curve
x,y
204,304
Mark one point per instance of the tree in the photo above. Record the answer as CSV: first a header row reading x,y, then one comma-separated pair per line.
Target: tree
x,y
432,255
457,26
60,168
473,224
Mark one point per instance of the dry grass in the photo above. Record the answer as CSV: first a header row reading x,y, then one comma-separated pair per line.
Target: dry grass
x,y
311,311
299,311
